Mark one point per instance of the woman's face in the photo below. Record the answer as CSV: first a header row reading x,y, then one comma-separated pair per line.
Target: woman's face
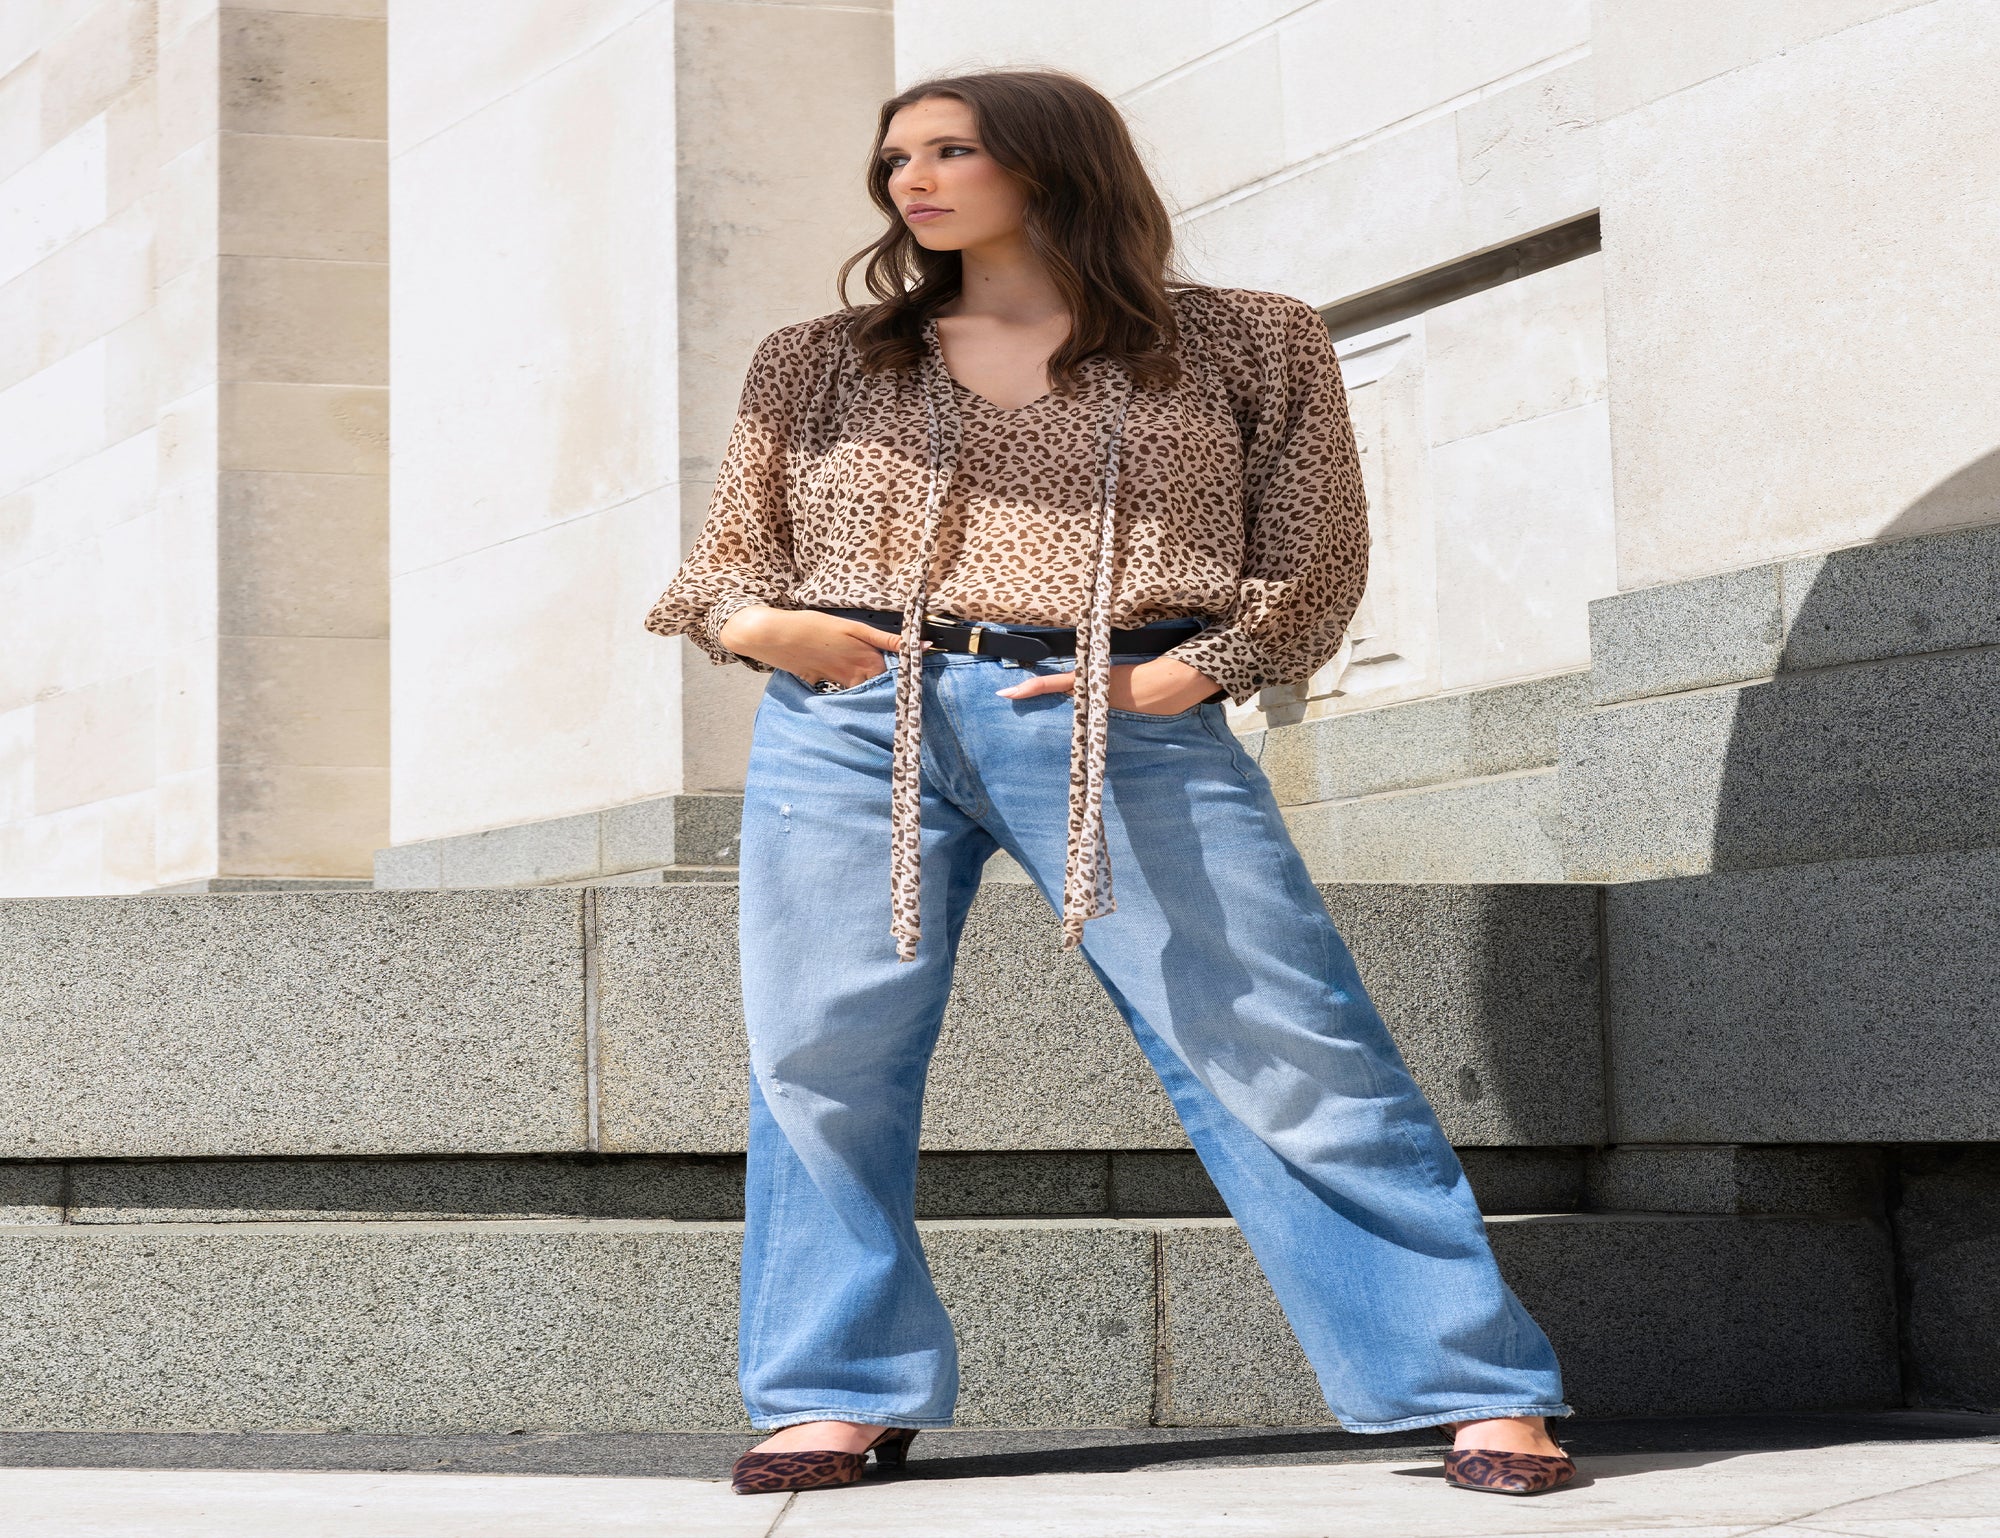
x,y
935,159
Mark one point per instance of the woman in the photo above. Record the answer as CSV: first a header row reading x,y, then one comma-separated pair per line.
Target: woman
x,y
1015,529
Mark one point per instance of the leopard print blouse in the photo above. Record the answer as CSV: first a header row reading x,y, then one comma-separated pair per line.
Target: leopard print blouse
x,y
1235,496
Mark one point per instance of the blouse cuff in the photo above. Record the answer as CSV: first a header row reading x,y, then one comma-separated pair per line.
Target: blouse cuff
x,y
1229,657
708,635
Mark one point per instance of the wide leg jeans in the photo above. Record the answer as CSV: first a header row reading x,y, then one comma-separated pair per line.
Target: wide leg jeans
x,y
1222,959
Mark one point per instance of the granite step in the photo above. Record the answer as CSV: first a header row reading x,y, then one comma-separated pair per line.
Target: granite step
x,y
608,1019
629,1325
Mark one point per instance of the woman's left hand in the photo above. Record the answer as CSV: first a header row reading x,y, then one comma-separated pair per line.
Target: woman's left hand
x,y
1161,686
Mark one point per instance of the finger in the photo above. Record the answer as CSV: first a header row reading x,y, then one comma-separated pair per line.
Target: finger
x,y
1039,683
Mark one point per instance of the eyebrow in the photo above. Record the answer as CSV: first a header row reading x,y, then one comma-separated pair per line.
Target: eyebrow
x,y
940,139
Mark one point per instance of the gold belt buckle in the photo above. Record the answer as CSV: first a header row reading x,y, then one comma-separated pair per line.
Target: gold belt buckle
x,y
941,619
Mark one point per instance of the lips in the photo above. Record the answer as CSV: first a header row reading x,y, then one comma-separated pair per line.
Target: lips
x,y
921,210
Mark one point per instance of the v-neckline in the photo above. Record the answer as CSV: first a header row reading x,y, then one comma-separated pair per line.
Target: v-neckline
x,y
993,405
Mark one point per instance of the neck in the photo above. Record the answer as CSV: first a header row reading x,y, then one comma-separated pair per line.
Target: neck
x,y
1006,281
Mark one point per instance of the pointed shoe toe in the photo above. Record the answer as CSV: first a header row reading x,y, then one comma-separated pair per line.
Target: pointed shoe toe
x,y
817,1469
1477,1468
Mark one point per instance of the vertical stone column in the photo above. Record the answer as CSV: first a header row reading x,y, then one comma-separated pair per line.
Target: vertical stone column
x,y
598,211
302,495
192,330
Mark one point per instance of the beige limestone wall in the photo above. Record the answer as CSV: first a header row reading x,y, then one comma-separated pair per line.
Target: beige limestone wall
x,y
1801,224
598,209
191,614
1335,150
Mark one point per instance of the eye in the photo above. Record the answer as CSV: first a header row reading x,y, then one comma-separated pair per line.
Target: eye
x,y
891,160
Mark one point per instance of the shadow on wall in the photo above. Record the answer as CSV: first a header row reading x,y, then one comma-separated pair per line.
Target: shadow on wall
x,y
1876,743
1852,970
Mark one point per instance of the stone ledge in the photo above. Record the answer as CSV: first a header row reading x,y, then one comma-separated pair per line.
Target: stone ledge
x,y
1865,603
1472,735
637,839
630,1326
496,1326
1648,1315
1498,830
428,1023
1889,757
292,1023
1847,1002
1491,992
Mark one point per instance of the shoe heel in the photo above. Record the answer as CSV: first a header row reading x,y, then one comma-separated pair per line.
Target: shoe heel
x,y
892,1451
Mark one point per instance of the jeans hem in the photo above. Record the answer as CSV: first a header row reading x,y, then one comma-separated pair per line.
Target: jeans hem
x,y
1484,1412
855,1414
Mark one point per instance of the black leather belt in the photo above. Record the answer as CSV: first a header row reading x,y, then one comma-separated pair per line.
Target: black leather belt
x,y
1024,643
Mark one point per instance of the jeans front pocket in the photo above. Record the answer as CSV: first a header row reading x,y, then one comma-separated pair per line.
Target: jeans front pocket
x,y
835,691
1147,715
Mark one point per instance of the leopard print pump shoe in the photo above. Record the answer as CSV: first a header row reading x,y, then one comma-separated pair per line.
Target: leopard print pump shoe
x,y
1480,1468
819,1468
1475,1468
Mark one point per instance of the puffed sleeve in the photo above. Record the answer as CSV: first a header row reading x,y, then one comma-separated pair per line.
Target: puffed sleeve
x,y
743,554
1305,545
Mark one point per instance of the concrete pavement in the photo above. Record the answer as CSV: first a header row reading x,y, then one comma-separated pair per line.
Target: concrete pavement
x,y
1885,1476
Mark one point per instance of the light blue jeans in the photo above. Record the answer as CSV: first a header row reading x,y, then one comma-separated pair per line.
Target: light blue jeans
x,y
1223,960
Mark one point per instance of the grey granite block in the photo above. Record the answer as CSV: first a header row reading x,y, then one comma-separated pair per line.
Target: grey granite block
x,y
405,1190
1515,726
31,1193
1525,1179
370,1327
1004,1185
711,828
526,854
1639,787
499,1326
684,830
1733,1178
1844,1002
1648,1315
1889,758
261,884
1055,1320
641,834
1033,1054
1673,1315
1163,1185
1492,993
658,876
1948,1241
1228,1357
1912,595
410,865
1498,830
1685,635
291,1023
1422,742
673,1065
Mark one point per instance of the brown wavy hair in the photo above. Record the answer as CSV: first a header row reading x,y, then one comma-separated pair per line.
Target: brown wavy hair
x,y
1091,214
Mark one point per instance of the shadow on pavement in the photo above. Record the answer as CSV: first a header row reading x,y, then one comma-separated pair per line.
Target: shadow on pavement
x,y
966,1454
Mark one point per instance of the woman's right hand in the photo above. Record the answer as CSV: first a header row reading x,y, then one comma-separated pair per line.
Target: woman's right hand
x,y
814,645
